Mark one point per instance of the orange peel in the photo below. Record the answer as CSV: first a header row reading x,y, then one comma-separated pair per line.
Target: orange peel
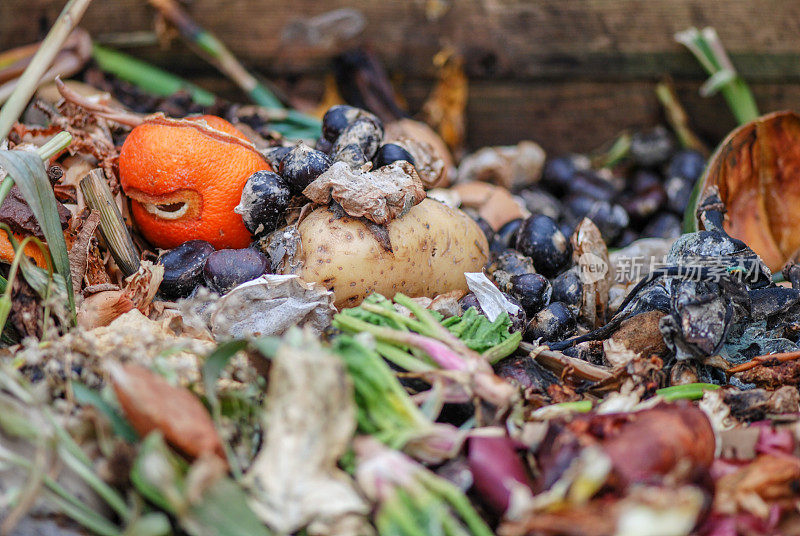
x,y
184,178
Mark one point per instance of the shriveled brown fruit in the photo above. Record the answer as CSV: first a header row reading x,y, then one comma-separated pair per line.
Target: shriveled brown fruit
x,y
417,130
151,403
757,172
644,446
668,439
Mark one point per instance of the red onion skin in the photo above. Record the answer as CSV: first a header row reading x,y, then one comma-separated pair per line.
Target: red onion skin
x,y
496,467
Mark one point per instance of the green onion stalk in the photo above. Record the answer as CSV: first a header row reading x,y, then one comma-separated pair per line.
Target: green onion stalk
x,y
706,46
386,411
411,500
430,346
147,77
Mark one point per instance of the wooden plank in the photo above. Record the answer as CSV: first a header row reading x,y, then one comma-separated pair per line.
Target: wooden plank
x,y
515,39
581,116
569,74
564,115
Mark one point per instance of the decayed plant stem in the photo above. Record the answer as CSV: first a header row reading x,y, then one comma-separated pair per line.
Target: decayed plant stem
x,y
221,57
762,359
41,61
678,119
707,48
98,197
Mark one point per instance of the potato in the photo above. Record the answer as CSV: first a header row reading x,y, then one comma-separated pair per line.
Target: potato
x,y
433,246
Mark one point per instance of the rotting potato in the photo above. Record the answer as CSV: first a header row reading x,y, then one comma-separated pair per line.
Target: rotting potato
x,y
432,247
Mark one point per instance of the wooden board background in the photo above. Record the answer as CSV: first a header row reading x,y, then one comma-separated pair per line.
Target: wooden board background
x,y
567,73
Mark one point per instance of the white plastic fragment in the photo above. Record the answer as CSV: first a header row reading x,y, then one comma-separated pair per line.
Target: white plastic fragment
x,y
489,296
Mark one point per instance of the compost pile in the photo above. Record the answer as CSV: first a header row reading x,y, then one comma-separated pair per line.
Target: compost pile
x,y
213,326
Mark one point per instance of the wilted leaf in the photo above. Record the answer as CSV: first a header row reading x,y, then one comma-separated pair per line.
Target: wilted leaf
x,y
204,500
151,403
79,252
18,215
309,421
757,170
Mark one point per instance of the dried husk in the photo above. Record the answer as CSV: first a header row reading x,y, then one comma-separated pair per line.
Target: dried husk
x,y
591,255
380,196
757,172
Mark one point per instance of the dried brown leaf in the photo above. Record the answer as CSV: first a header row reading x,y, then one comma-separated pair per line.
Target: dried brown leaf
x,y
79,252
380,196
591,254
309,422
16,213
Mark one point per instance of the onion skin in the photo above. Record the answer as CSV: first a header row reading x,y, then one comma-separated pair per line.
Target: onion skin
x,y
496,468
432,246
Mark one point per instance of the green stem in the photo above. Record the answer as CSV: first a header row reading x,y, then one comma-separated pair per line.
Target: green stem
x,y
504,349
677,118
54,145
89,519
707,48
402,359
579,406
615,154
147,77
29,81
457,500
220,56
740,101
690,391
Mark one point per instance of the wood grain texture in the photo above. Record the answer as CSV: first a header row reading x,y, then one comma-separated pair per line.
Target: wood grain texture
x,y
500,38
570,74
